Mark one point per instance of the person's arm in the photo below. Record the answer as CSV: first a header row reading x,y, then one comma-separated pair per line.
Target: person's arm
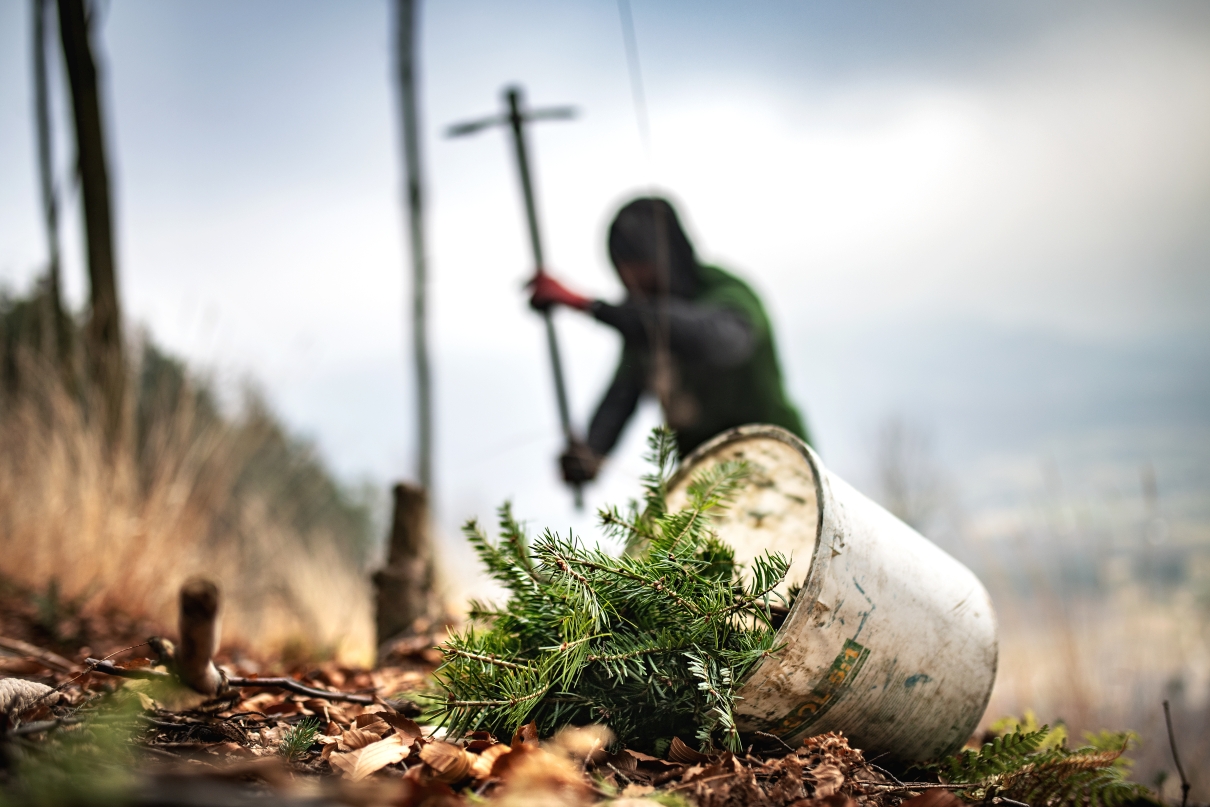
x,y
582,459
717,335
616,407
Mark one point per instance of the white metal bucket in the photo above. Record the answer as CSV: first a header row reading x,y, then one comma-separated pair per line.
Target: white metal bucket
x,y
889,640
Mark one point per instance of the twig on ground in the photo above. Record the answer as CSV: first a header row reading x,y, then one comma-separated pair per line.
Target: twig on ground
x,y
1011,802
44,657
913,787
614,768
773,737
885,772
1176,757
288,684
299,688
109,668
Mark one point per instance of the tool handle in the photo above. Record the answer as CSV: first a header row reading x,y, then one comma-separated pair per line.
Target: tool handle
x,y
517,120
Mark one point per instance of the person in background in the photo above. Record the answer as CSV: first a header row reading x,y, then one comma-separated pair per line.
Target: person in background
x,y
693,335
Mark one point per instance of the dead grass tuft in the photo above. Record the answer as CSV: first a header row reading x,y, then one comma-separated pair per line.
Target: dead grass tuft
x,y
189,491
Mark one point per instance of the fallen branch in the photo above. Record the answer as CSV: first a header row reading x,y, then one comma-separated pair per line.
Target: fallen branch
x,y
288,684
46,658
299,688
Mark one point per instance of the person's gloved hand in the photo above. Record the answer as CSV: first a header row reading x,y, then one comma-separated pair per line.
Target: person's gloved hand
x,y
579,463
545,291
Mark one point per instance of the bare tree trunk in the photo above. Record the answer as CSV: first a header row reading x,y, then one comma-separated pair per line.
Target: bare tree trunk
x,y
103,335
56,337
405,584
406,13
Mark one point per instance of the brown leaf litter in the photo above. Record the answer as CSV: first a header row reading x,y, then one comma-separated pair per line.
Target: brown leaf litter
x,y
372,754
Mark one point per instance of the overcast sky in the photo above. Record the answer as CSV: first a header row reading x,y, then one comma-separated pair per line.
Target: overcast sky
x,y
987,217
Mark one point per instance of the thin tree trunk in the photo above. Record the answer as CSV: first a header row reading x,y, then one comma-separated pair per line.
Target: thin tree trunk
x,y
103,335
406,12
55,334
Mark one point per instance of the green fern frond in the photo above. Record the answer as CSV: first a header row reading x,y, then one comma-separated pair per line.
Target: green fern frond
x,y
1001,755
1029,767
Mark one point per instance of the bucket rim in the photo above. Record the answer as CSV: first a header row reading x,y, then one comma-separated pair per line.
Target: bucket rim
x,y
812,584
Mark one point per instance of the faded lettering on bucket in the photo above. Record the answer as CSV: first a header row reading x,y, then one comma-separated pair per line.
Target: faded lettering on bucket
x,y
840,675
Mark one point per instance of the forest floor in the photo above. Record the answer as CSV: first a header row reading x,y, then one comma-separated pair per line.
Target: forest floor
x,y
125,737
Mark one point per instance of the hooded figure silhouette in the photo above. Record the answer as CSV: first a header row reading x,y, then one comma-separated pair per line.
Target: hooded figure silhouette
x,y
693,335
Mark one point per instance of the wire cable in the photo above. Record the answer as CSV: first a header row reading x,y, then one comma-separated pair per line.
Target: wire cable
x,y
637,94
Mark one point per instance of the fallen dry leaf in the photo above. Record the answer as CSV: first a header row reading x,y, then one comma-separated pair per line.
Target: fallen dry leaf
x,y
529,771
448,762
236,750
481,768
527,733
828,780
584,743
353,739
679,751
330,743
402,725
359,764
367,719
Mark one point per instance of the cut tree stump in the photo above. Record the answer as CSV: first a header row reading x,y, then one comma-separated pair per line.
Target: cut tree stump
x,y
406,600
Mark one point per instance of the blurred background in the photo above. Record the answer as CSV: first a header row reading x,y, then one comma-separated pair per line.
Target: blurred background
x,y
980,231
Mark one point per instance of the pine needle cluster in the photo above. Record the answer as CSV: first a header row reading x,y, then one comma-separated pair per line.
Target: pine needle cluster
x,y
653,643
298,738
1029,766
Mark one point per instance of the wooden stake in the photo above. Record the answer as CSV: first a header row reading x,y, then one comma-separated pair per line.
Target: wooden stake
x,y
199,632
405,584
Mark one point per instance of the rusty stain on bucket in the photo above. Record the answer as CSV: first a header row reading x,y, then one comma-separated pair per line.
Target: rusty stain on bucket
x,y
889,639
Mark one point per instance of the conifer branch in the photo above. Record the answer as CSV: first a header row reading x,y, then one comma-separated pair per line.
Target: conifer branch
x,y
585,637
654,585
704,497
744,601
646,651
454,704
560,648
488,659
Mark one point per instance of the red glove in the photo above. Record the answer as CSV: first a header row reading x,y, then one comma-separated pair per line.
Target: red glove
x,y
545,291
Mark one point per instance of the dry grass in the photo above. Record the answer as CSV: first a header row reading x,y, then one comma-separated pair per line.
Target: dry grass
x,y
189,491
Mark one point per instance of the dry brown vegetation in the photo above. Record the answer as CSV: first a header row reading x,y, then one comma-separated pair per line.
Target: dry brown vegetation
x,y
188,490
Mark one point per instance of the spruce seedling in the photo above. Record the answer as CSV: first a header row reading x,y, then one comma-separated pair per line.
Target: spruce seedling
x,y
298,738
654,643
